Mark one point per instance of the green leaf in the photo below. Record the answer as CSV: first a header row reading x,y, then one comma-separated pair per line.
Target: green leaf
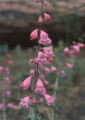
x,y
28,118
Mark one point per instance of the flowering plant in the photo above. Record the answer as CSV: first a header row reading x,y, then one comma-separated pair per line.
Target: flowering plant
x,y
36,81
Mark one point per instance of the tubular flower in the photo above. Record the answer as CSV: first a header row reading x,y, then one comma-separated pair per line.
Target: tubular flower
x,y
34,34
49,99
46,69
75,48
69,65
66,50
25,102
26,83
62,73
41,58
48,51
10,105
53,68
47,17
40,19
1,69
40,87
32,72
81,45
44,39
45,3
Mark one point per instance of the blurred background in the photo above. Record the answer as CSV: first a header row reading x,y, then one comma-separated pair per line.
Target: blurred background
x,y
17,19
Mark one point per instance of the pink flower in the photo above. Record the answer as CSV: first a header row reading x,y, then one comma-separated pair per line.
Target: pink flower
x,y
10,105
40,87
45,3
49,99
47,17
8,93
81,45
41,100
53,68
48,51
34,100
9,62
30,62
76,49
40,19
1,69
32,72
66,50
46,82
26,83
69,65
34,34
7,80
46,69
44,39
7,71
41,58
25,102
1,106
71,53
62,73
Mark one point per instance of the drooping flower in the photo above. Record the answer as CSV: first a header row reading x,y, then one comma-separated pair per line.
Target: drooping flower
x,y
49,99
62,73
48,51
7,71
41,58
76,49
8,93
34,100
34,34
26,83
9,105
40,87
69,65
1,69
45,3
53,68
81,45
9,62
32,72
46,69
47,17
66,50
41,100
30,62
40,19
44,39
25,102
46,82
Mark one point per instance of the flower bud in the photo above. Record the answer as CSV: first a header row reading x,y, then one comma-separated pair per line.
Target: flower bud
x,y
47,17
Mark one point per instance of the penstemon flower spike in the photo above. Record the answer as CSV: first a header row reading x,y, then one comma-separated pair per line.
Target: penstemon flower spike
x,y
44,55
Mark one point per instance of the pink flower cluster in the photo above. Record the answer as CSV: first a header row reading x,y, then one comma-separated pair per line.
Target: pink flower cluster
x,y
4,74
36,80
44,56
